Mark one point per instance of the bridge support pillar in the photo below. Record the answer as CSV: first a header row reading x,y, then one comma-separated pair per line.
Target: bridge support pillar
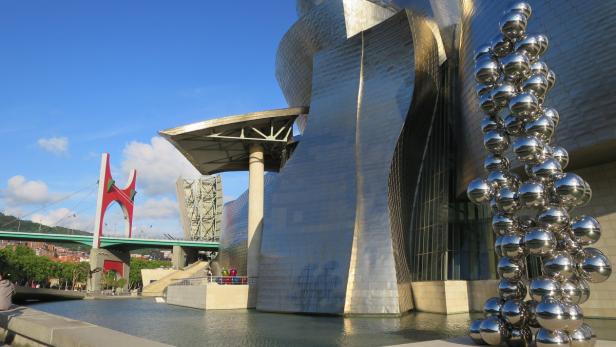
x,y
180,257
104,260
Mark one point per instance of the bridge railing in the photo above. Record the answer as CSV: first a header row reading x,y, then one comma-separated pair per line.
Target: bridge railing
x,y
222,280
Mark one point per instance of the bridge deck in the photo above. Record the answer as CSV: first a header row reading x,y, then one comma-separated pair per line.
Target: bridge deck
x,y
106,241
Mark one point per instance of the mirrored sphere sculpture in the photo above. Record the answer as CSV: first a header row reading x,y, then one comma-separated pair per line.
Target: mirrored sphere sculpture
x,y
532,208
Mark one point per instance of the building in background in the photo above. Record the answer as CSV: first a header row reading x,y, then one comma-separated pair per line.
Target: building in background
x,y
368,214
201,205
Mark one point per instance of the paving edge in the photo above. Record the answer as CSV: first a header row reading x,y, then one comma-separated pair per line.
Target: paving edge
x,y
24,326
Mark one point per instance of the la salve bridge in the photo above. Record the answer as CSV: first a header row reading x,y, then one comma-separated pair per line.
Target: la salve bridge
x,y
109,241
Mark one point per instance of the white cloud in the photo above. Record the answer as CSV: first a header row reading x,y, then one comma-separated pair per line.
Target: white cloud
x,y
157,209
55,145
158,165
63,217
21,191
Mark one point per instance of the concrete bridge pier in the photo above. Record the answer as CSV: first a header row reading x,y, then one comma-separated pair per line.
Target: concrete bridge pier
x,y
103,260
182,256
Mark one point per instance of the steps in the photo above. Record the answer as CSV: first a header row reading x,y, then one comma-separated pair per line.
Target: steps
x,y
158,288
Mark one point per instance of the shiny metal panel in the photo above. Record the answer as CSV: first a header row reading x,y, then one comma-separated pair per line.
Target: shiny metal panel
x,y
581,54
309,219
322,25
383,104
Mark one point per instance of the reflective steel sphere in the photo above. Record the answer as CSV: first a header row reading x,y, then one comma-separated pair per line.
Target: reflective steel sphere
x,y
507,200
496,141
571,291
511,290
559,265
515,66
512,246
501,46
492,306
539,242
514,312
495,162
544,287
561,155
583,336
503,224
482,89
584,289
555,315
573,318
587,195
490,124
514,125
493,330
498,179
594,266
484,51
552,114
532,194
502,93
487,104
487,70
546,338
544,43
530,45
551,79
513,25
585,230
519,337
542,128
570,188
531,307
547,170
475,332
479,191
522,7
528,149
524,105
539,67
509,269
554,218
536,84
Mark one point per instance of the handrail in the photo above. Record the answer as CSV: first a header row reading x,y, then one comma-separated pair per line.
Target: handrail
x,y
222,280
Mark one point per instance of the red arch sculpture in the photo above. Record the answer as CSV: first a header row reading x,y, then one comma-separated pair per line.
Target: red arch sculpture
x,y
108,192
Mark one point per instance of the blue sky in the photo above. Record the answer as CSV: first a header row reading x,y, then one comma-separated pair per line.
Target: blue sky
x,y
78,78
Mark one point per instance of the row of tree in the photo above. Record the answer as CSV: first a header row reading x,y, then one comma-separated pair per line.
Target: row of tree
x,y
25,268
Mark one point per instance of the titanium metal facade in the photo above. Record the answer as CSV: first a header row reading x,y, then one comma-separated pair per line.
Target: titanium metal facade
x,y
372,198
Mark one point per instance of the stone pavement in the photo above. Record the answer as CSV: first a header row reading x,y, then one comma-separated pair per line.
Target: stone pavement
x,y
466,341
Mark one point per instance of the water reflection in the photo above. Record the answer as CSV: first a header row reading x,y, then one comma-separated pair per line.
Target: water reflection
x,y
189,327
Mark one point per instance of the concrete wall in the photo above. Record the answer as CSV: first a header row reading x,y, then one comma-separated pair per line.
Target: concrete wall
x,y
446,297
22,326
151,275
188,296
211,296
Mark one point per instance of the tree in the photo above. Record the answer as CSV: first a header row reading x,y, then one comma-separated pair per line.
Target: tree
x,y
136,265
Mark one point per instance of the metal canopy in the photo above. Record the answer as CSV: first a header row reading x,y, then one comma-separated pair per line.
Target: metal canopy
x,y
222,144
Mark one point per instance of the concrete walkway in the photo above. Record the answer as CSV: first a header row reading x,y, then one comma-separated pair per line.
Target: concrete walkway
x,y
466,341
23,326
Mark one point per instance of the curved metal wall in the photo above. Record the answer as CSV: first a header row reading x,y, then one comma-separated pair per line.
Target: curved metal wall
x,y
581,54
327,241
322,25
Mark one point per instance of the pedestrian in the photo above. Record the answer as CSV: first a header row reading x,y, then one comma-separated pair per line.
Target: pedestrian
x,y
7,290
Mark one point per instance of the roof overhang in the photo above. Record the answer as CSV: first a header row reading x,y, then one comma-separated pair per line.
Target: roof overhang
x,y
222,144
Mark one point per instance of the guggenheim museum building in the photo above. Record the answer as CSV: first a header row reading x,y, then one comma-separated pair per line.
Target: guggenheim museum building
x,y
364,209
